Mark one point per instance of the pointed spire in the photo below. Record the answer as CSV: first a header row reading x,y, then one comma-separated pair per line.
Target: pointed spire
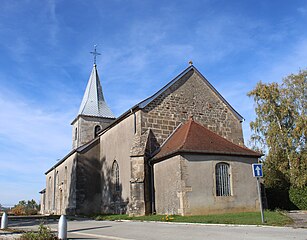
x,y
93,103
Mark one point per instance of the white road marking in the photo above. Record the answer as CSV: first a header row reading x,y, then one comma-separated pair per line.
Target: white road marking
x,y
104,236
99,236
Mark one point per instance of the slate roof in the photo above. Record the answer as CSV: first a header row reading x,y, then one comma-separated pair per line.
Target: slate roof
x,y
93,103
195,138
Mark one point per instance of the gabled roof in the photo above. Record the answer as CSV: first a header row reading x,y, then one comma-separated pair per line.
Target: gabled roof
x,y
145,102
195,138
148,100
93,103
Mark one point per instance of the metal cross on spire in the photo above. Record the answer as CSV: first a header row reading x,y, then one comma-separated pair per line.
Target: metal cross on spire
x,y
95,53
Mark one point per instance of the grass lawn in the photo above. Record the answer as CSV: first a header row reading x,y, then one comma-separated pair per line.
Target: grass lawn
x,y
250,218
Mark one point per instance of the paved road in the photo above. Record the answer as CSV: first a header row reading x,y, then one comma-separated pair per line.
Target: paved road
x,y
126,230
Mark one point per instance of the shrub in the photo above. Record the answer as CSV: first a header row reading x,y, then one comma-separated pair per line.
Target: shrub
x,y
25,208
274,196
44,233
299,197
18,210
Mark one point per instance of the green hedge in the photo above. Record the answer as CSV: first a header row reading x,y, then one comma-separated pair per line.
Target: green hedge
x,y
298,197
278,198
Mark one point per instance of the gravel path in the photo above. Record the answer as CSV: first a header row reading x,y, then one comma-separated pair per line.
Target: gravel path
x,y
299,218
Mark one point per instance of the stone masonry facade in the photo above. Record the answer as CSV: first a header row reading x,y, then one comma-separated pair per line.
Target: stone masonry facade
x,y
84,128
190,96
134,140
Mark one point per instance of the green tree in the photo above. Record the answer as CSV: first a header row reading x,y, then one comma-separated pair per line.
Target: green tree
x,y
279,130
23,207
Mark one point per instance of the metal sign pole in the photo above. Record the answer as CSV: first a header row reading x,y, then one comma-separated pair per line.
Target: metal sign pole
x,y
260,200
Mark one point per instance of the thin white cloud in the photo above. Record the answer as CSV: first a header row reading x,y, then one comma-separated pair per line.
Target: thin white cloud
x,y
27,125
53,22
31,139
224,35
302,10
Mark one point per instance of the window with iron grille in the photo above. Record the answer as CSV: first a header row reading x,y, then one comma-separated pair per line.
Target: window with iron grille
x,y
222,179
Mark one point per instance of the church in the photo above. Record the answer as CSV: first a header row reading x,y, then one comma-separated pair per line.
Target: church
x,y
180,151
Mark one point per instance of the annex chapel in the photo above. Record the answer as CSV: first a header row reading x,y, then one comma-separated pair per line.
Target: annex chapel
x,y
180,151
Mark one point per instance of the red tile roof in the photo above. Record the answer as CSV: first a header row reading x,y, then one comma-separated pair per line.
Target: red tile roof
x,y
195,138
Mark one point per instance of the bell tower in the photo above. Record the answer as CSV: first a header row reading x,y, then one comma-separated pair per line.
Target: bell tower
x,y
94,114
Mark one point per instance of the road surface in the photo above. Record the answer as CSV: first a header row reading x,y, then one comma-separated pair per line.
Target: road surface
x,y
127,230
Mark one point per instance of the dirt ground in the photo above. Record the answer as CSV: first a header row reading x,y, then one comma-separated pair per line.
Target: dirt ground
x,y
299,217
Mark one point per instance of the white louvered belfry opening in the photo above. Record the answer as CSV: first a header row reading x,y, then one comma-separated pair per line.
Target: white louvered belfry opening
x,y
222,179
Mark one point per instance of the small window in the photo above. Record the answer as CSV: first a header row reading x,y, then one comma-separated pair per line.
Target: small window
x,y
65,181
115,173
57,179
49,193
222,179
76,133
96,130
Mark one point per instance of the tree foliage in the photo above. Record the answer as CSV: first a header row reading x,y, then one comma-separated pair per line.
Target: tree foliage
x,y
298,196
26,208
279,129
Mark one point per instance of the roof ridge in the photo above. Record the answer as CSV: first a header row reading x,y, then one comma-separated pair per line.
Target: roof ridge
x,y
225,139
93,102
146,101
193,137
173,132
220,95
189,123
98,84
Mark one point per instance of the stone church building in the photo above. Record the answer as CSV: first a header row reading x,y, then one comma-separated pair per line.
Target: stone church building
x,y
180,151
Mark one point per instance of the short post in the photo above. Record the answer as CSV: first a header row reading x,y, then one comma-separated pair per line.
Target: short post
x,y
4,221
260,200
62,228
258,173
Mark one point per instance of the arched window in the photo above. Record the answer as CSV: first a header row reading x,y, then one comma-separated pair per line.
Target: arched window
x,y
115,173
65,183
49,193
222,179
49,187
96,130
57,179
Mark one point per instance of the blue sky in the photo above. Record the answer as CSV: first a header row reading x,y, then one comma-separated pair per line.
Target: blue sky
x,y
45,64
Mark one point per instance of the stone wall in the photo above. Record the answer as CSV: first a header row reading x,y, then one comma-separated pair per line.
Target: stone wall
x,y
191,96
85,126
60,196
186,185
88,186
141,182
115,145
202,199
168,186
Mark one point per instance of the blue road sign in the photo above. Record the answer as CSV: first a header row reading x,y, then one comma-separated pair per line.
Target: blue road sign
x,y
257,170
